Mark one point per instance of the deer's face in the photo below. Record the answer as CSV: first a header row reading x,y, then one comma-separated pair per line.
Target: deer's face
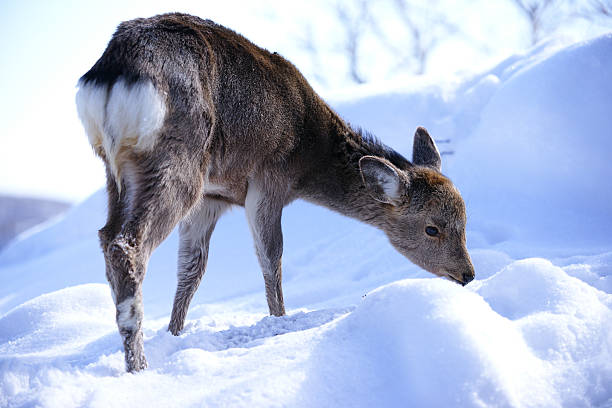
x,y
423,214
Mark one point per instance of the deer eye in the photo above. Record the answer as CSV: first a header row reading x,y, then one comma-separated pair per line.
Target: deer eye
x,y
432,231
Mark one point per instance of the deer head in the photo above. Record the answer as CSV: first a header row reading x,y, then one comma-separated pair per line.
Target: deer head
x,y
423,213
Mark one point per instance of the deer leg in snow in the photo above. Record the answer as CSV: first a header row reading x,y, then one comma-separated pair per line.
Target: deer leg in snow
x,y
156,199
195,231
264,212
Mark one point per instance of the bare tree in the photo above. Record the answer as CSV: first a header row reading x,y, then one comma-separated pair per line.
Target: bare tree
x,y
353,26
410,47
308,44
425,28
602,7
405,33
546,16
535,12
596,11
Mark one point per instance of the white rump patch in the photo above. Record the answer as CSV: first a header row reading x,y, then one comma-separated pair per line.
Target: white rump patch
x,y
90,101
135,113
127,115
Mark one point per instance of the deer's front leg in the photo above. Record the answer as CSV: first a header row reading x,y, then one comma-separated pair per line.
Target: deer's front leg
x,y
264,209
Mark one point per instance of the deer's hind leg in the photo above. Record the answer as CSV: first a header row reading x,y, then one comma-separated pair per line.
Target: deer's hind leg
x,y
195,231
116,208
155,196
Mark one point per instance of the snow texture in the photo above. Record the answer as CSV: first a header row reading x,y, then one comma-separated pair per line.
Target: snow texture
x,y
364,327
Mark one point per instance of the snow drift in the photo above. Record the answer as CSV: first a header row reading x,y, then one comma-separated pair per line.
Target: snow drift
x,y
407,342
543,136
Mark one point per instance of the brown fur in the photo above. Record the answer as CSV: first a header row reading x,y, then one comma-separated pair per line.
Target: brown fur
x,y
243,127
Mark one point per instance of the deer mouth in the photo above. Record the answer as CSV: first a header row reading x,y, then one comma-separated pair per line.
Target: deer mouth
x,y
455,280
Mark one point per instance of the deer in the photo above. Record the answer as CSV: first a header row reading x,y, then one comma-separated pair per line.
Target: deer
x,y
190,118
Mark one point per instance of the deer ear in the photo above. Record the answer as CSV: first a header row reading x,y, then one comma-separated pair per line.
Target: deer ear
x,y
424,150
381,179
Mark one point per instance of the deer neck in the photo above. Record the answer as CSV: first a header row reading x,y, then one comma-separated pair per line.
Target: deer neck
x,y
336,181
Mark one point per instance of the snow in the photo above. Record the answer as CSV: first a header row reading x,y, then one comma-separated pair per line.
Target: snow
x,y
364,327
544,141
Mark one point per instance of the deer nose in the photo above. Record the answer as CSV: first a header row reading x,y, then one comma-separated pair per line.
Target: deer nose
x,y
467,277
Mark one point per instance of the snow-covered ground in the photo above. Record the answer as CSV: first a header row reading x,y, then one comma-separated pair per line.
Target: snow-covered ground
x,y
530,141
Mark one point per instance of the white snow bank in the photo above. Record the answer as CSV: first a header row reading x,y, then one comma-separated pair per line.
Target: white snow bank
x,y
536,169
596,270
407,342
57,323
429,340
426,340
62,350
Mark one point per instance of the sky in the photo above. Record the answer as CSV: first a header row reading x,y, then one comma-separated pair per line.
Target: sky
x,y
47,45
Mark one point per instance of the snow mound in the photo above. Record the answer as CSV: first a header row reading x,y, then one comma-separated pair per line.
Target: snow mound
x,y
595,270
57,323
430,340
534,170
426,340
62,350
534,285
406,342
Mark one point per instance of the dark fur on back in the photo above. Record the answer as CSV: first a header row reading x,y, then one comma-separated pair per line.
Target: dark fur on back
x,y
373,146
